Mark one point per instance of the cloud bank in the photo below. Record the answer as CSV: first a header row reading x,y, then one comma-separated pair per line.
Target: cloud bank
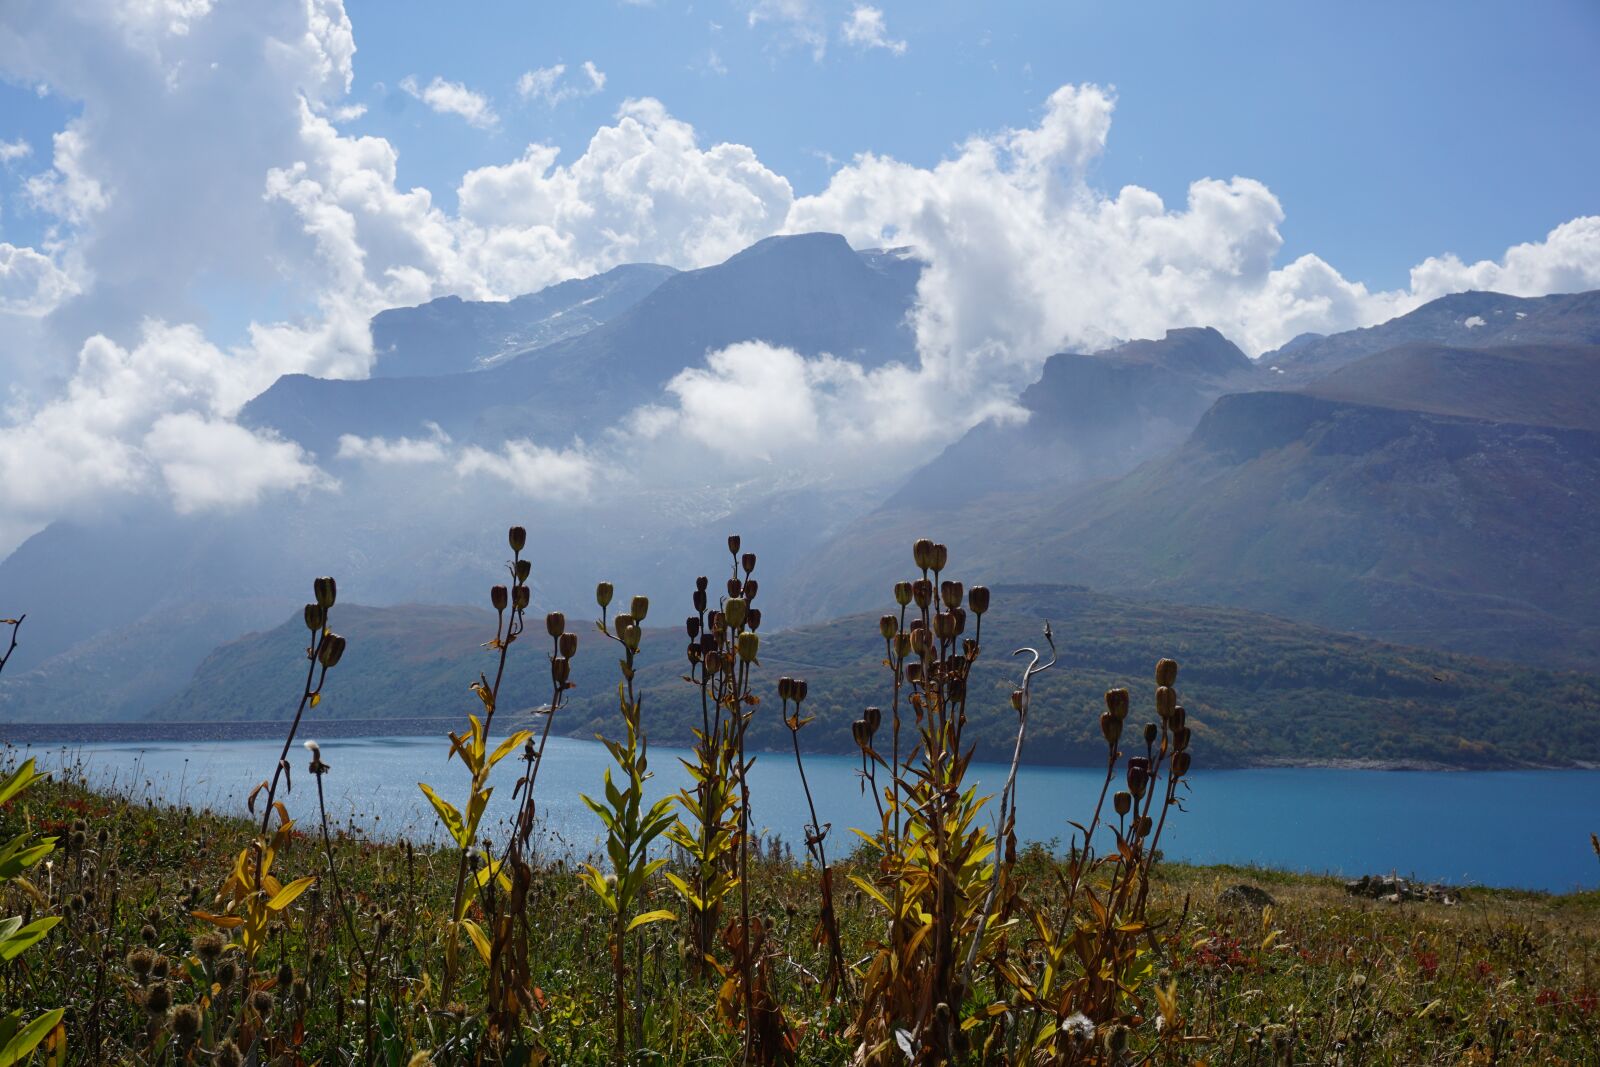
x,y
213,225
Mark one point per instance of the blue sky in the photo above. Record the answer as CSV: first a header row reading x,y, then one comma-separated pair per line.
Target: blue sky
x,y
198,197
1390,132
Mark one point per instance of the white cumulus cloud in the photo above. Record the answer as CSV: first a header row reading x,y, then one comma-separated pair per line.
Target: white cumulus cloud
x,y
30,282
453,98
866,28
551,85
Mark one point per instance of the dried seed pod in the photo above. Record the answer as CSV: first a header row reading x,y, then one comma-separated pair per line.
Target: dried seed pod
x,y
1117,702
315,617
630,635
561,668
567,644
1122,801
748,644
944,625
326,590
748,562
331,652
735,609
922,554
978,599
941,556
1166,700
699,601
873,717
518,537
1017,696
603,593
753,619
1178,718
186,1022
639,607
921,642
1138,775
902,645
862,736
733,544
914,672
735,587
751,587
922,592
800,690
888,627
692,626
1110,728
701,583
555,624
951,593
785,688
956,689
713,663
1141,825
902,593
1180,764
158,998
522,568
1180,738
520,596
1167,672
1150,733
499,597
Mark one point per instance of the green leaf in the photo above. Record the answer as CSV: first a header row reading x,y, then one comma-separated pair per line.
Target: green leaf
x,y
28,1038
18,780
447,815
14,944
645,919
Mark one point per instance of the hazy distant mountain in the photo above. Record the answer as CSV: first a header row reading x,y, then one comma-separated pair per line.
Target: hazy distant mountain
x,y
1257,689
450,334
810,292
1092,415
1426,495
1089,416
1462,320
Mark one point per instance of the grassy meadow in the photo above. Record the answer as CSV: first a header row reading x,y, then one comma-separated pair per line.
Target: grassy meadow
x,y
149,935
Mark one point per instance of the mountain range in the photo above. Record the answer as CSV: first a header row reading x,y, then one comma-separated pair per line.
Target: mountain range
x,y
1433,481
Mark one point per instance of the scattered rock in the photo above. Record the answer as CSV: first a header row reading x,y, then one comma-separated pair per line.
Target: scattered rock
x,y
1392,890
1245,896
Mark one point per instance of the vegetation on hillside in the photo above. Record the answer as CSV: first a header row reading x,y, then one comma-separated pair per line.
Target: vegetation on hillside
x,y
1251,688
931,937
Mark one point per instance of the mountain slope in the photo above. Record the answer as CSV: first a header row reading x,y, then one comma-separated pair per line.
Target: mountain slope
x,y
1473,319
1089,416
1258,689
809,292
451,334
1426,495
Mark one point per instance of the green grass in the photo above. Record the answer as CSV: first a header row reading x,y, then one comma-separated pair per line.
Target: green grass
x,y
1505,977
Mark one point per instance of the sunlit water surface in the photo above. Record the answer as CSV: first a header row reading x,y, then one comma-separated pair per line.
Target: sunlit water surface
x,y
1507,828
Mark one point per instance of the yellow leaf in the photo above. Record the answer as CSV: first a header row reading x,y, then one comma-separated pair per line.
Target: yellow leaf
x,y
660,915
286,896
479,939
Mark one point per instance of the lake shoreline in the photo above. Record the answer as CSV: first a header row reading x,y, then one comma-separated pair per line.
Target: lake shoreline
x,y
164,732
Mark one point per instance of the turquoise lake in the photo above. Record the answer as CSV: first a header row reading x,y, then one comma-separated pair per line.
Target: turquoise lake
x,y
1504,828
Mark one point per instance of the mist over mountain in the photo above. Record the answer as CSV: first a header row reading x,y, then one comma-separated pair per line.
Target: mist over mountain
x,y
1387,493
811,293
1461,320
450,334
